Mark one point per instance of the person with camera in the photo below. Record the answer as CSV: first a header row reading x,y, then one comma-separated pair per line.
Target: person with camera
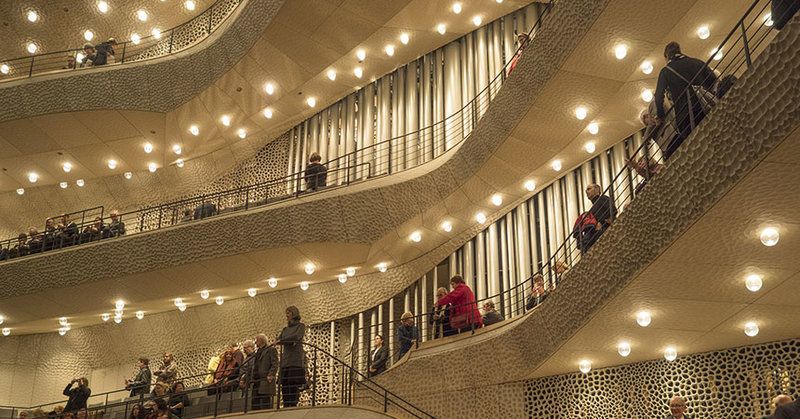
x,y
77,395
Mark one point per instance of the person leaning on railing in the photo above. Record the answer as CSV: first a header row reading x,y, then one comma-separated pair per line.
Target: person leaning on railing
x,y
407,333
21,248
293,357
178,399
464,315
439,317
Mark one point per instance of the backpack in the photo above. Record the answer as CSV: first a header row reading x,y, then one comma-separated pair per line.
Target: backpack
x,y
707,99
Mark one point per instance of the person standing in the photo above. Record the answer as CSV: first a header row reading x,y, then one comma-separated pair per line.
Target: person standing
x,y
378,357
78,395
407,333
264,370
169,371
140,384
464,315
316,173
440,317
292,358
677,408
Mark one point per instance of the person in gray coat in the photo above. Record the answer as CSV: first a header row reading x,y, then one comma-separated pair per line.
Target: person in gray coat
x,y
264,370
292,357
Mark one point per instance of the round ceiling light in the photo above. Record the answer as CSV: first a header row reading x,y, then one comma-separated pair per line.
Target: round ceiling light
x,y
590,147
382,267
80,183
67,166
156,33
62,331
63,321
204,294
179,163
219,300
530,185
268,113
33,177
342,278
717,54
351,271
252,292
20,191
404,38
312,101
194,130
102,7
441,28
480,218
643,318
389,50
624,349
226,120
88,35
703,32
647,95
585,366
112,164
63,185
456,7
416,237
332,75
304,285
309,268
105,317
6,331
447,226
594,128
152,167
753,282
119,304
358,72
189,5
647,67
135,38
141,15
497,200
241,133
670,354
32,48
751,329
177,301
148,148
770,236
269,88
620,51
361,55
272,282
140,314
182,307
177,149
556,165
4,69
580,113
128,175
32,16
768,20
477,20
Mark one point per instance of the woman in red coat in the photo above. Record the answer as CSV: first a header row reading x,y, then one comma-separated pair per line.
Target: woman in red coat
x,y
464,311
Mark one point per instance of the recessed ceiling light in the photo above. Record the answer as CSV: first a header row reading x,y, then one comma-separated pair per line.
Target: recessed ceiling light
x,y
252,292
204,294
312,101
272,282
358,72
751,329
647,67
309,268
477,20
416,237
194,130
102,7
67,166
594,128
441,28
556,165
304,285
182,307
135,38
79,57
647,95
105,317
32,48
497,200
152,167
128,175
63,321
643,318
4,69
189,5
219,300
177,149
332,75
156,33
269,88
268,113
80,183
62,331
6,331
770,236
226,120
624,349
119,304
32,16
717,54
499,1
585,366
177,301
140,314
768,20
456,7
361,55
703,32
382,267
33,177
63,185
350,271
241,133
753,282
142,15
530,185
2,319
580,113
148,148
20,191
480,218
670,354
447,226
179,163
389,50
589,147
342,278
88,35
620,51
404,38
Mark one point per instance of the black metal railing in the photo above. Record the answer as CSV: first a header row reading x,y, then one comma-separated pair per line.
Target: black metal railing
x,y
748,38
327,381
154,45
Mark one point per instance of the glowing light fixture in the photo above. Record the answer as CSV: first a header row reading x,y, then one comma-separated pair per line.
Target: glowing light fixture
x,y
20,191
456,7
6,331
62,331
194,130
590,147
477,20
119,305
33,177
142,15
751,329
219,300
530,185
112,164
148,148
268,113
647,95
135,38
404,38
361,55
2,319
447,226
497,200
717,54
753,282
312,101
304,285
189,5
770,236
670,354
252,292
177,149
585,366
624,349
156,33
226,120
178,301
389,50
102,7
204,294
647,67
241,133
182,307
703,32
441,28
272,282
80,183
342,278
556,165
32,48
768,20
105,317
351,271
88,35
63,185
382,267
63,321
32,16
332,75
593,129
269,88
480,218
128,175
140,314
152,167
580,113
310,268
643,318
118,318
67,166
4,69
416,237
620,51
358,72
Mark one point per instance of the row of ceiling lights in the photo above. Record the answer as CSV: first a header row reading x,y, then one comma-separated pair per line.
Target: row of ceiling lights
x,y
769,237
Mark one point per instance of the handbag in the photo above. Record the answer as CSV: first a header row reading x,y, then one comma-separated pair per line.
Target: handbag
x,y
459,321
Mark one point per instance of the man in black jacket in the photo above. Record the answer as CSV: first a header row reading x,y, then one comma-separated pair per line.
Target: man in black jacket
x,y
140,384
602,209
316,173
78,395
788,410
676,76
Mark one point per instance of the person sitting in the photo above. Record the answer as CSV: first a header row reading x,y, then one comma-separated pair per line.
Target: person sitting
x,y
178,399
141,384
56,412
160,409
78,395
66,233
35,242
440,317
89,55
19,249
70,63
49,234
464,315
538,293
137,412
378,357
523,40
39,413
490,315
93,231
226,374
316,173
407,333
116,227
160,392
187,215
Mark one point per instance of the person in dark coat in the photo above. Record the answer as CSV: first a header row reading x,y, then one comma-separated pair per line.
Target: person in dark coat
x,y
205,209
788,410
676,76
440,317
103,51
538,293
490,315
78,395
178,399
407,334
140,384
378,357
782,11
264,370
316,173
293,357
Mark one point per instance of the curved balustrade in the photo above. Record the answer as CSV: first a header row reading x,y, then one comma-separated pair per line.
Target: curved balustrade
x,y
744,42
168,42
